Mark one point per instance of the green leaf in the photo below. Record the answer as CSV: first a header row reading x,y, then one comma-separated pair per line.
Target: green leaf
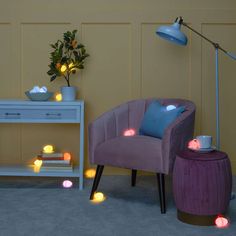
x,y
80,46
50,72
53,46
64,60
53,78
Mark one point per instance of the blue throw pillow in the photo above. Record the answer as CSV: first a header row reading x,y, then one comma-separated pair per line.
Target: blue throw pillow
x,y
157,118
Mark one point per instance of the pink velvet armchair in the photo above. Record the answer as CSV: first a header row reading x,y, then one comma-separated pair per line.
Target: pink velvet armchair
x,y
109,147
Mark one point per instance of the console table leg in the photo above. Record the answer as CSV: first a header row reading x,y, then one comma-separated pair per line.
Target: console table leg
x,y
81,157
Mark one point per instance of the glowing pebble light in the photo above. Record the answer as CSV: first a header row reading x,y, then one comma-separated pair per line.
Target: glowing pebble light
x,y
67,156
221,222
58,97
98,197
194,144
48,149
170,107
90,173
129,132
67,184
38,163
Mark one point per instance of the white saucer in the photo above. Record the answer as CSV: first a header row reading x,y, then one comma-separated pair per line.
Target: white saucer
x,y
204,150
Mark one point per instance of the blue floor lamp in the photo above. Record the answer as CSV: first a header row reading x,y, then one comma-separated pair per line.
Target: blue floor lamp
x,y
173,34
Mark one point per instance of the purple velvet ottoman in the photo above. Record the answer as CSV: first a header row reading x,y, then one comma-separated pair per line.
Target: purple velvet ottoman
x,y
202,184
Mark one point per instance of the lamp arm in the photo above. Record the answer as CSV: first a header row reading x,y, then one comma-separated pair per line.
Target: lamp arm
x,y
216,45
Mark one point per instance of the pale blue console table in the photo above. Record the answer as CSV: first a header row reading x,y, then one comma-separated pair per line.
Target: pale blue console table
x,y
22,111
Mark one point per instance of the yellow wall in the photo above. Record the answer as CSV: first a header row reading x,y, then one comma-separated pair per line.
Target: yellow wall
x,y
127,61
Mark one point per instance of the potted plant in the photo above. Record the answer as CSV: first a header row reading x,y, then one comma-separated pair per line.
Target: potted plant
x,y
67,58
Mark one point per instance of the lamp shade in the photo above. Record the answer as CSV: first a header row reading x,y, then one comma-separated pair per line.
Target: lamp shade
x,y
173,34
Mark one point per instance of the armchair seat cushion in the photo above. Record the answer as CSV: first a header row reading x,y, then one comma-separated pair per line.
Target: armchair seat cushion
x,y
128,152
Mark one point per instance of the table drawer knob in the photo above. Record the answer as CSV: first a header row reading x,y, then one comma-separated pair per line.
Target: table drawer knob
x,y
53,114
12,114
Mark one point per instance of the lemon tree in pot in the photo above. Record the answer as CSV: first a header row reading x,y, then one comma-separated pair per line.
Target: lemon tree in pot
x,y
67,58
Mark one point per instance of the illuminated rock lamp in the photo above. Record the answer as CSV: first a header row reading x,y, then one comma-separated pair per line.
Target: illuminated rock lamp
x,y
48,149
170,107
58,97
98,197
90,173
67,184
221,222
38,163
67,156
36,169
129,132
194,144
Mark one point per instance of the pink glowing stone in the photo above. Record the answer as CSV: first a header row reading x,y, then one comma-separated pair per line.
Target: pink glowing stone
x,y
129,132
194,144
221,222
67,184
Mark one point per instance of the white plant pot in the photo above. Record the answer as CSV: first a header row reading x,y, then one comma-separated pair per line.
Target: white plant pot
x,y
68,93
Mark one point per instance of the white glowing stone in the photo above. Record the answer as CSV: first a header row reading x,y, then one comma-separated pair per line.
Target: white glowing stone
x,y
129,132
43,89
221,222
67,184
170,107
37,89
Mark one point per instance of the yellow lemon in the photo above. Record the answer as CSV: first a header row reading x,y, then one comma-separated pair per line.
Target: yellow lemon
x,y
63,68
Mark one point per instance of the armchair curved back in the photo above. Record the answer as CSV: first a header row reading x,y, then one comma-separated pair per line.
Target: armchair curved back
x,y
130,114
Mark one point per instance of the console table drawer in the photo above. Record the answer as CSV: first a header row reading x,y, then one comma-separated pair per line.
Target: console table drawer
x,y
43,114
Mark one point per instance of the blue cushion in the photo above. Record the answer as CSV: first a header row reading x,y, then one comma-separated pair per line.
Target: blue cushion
x,y
157,118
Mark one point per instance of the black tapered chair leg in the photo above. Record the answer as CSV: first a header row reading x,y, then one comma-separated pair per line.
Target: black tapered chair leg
x,y
161,189
96,180
133,177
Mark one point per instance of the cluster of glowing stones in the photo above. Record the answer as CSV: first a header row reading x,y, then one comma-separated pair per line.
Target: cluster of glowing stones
x,y
67,184
67,156
48,149
194,144
90,173
58,97
98,197
129,132
221,222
